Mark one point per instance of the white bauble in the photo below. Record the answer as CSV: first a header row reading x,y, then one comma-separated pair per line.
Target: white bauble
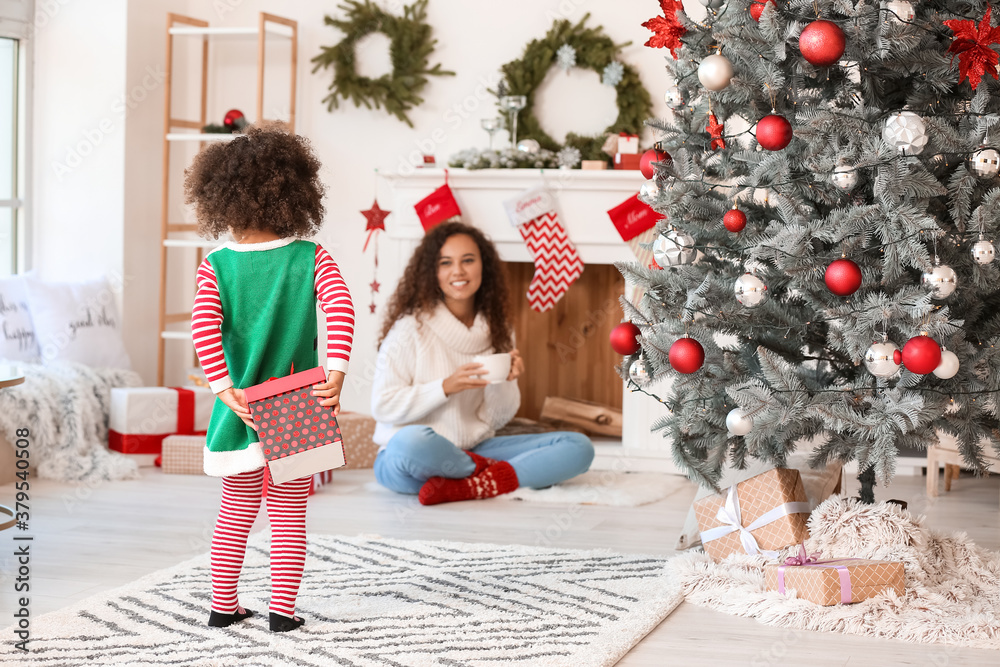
x,y
900,10
983,252
880,359
942,280
985,163
844,177
905,131
673,97
648,191
750,290
948,367
641,372
529,146
673,249
738,423
715,72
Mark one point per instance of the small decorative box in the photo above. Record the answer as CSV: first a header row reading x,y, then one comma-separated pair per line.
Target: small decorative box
x,y
628,161
184,455
835,581
358,431
593,165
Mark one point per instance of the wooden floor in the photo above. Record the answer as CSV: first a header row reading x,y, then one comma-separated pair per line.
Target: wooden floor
x,y
90,539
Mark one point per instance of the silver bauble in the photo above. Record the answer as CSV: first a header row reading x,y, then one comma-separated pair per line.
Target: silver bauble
x,y
983,252
712,4
750,290
900,11
715,71
985,162
949,365
880,359
673,97
942,280
738,423
673,249
844,177
649,191
641,372
905,131
529,146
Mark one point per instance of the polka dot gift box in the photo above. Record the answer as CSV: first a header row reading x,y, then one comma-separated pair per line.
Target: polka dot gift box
x,y
298,436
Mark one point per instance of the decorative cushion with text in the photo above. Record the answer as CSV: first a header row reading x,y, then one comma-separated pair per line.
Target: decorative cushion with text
x,y
18,340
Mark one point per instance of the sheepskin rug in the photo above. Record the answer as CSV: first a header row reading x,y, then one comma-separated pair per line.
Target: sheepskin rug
x,y
952,586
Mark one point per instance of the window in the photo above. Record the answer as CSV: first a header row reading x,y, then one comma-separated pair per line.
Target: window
x,y
10,168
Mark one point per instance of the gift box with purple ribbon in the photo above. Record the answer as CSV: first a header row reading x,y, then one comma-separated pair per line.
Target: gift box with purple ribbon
x,y
834,581
757,516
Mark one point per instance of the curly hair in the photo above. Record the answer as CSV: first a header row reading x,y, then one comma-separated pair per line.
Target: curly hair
x,y
418,291
263,180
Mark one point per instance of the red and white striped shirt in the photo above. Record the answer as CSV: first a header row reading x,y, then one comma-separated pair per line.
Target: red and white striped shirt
x,y
333,298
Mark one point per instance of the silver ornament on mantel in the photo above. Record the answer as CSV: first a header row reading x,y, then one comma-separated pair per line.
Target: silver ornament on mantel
x,y
750,290
899,11
529,146
942,280
673,249
715,72
880,359
738,422
844,177
948,368
985,163
983,251
641,372
673,97
649,191
906,132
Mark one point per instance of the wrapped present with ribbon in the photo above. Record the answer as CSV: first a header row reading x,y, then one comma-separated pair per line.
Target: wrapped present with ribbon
x,y
757,516
834,581
141,417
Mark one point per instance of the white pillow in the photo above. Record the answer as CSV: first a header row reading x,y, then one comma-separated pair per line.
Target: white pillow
x,y
78,322
18,340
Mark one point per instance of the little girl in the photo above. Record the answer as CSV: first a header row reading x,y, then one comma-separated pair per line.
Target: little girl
x,y
254,317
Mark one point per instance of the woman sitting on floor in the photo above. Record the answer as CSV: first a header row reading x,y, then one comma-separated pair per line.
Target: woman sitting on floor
x,y
436,418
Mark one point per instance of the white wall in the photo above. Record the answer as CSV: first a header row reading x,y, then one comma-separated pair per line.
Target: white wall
x,y
117,203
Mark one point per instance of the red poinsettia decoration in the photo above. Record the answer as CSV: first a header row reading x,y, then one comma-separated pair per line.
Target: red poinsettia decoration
x,y
667,30
972,44
714,129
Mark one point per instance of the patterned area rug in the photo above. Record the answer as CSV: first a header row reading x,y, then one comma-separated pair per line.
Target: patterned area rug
x,y
373,602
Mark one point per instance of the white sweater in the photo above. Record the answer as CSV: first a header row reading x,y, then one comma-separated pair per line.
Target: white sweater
x,y
413,362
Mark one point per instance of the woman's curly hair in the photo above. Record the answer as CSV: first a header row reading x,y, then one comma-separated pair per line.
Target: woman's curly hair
x,y
263,180
418,291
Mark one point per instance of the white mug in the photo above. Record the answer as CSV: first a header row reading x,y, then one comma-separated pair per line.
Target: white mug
x,y
497,366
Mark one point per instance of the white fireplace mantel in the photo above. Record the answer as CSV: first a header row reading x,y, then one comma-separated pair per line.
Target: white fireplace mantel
x,y
583,199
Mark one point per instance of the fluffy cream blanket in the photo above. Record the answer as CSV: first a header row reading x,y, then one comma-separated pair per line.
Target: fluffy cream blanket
x,y
952,586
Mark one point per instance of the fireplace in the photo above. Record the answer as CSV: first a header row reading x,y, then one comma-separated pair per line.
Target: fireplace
x,y
566,349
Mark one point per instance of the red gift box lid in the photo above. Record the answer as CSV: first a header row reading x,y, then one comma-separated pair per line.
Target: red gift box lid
x,y
264,390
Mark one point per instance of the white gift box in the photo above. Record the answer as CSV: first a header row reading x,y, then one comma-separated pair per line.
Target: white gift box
x,y
628,143
141,417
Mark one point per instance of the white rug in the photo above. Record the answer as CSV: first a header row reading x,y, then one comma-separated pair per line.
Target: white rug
x,y
952,586
374,602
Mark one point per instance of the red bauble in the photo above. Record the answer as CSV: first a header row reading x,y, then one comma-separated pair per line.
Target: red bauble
x,y
822,43
843,277
624,339
687,355
735,220
757,8
647,160
920,355
234,119
774,132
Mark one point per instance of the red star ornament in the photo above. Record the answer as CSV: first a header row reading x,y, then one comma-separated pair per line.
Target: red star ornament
x,y
667,30
972,44
372,308
375,285
376,221
714,129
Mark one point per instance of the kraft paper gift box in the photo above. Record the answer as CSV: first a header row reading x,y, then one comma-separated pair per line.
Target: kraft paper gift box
x,y
835,581
141,417
298,436
184,455
758,515
357,431
593,165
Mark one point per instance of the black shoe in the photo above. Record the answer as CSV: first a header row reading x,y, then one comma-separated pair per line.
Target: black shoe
x,y
281,623
219,620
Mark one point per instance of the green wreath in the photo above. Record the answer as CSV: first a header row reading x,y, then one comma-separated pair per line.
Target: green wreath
x,y
594,50
410,49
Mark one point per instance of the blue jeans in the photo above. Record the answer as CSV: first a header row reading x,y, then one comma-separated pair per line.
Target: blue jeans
x,y
417,453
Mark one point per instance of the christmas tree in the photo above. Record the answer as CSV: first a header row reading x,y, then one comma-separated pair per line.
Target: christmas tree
x,y
824,265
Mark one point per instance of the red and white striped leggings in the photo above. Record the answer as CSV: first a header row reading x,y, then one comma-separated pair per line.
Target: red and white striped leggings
x,y
286,510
